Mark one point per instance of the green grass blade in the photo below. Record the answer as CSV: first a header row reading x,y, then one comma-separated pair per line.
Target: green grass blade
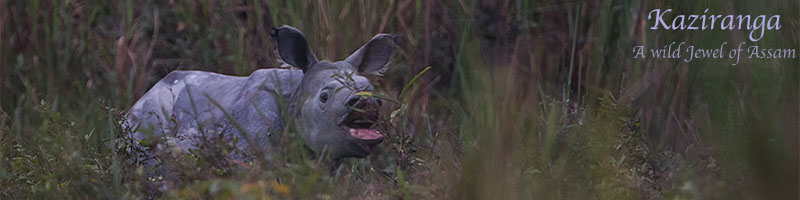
x,y
413,80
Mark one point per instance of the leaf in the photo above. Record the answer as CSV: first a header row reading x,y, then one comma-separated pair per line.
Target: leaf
x,y
283,189
87,136
399,111
144,142
413,80
364,93
380,96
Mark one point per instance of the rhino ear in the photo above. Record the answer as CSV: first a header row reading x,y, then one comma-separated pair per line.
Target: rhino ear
x,y
374,55
293,47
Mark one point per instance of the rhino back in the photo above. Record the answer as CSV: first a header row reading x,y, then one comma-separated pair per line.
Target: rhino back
x,y
150,114
219,105
186,106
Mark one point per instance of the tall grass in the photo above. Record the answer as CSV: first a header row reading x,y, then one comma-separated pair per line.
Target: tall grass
x,y
524,99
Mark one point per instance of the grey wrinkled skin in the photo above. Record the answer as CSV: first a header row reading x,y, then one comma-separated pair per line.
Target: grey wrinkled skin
x,y
186,106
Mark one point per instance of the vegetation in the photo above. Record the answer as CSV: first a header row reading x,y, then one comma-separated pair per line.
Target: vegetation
x,y
523,99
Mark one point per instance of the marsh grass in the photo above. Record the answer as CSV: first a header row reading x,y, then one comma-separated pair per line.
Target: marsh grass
x,y
522,99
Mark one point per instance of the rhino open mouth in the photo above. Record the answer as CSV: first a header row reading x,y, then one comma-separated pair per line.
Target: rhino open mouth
x,y
361,123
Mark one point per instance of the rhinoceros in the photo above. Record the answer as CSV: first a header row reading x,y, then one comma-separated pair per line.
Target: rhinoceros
x,y
321,98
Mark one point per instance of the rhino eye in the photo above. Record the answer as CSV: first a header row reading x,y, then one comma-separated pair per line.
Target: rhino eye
x,y
323,97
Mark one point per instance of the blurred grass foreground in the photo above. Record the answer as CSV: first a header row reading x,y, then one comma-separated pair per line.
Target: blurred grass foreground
x,y
524,99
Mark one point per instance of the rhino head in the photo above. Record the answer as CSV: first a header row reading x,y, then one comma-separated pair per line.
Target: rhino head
x,y
326,109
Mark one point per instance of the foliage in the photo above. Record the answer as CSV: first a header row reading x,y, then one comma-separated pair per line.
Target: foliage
x,y
522,99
